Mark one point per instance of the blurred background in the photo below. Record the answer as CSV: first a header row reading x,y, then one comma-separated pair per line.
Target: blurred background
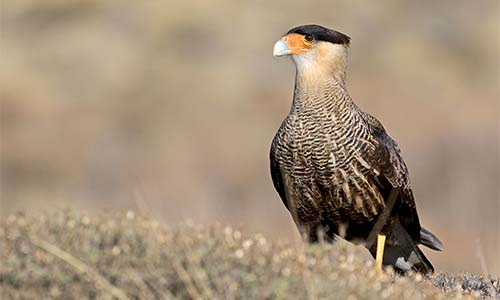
x,y
169,108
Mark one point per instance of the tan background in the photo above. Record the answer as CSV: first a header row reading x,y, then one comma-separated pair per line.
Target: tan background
x,y
170,107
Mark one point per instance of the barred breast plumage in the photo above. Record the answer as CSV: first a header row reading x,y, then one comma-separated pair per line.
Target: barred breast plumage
x,y
321,145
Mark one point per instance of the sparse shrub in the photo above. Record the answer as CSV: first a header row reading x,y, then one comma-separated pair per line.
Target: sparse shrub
x,y
66,255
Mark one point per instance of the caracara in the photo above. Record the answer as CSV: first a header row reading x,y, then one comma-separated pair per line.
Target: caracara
x,y
334,166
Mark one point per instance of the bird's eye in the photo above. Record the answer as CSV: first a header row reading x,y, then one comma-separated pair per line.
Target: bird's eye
x,y
308,38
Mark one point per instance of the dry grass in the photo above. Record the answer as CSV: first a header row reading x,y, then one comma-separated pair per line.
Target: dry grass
x,y
66,255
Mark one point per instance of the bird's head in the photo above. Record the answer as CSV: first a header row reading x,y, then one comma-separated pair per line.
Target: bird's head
x,y
315,50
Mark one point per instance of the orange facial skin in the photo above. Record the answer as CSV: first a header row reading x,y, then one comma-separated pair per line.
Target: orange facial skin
x,y
297,43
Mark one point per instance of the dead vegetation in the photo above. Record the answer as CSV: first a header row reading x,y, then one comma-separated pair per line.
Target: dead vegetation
x,y
66,255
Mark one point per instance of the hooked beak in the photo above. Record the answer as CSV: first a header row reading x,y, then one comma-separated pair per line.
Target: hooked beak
x,y
291,44
281,48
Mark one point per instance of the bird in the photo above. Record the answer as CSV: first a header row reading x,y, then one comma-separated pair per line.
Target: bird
x,y
335,167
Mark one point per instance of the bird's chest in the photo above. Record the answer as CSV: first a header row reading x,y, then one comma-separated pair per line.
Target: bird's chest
x,y
325,166
321,149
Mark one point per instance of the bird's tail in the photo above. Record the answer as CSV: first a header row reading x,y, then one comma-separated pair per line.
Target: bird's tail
x,y
402,252
428,239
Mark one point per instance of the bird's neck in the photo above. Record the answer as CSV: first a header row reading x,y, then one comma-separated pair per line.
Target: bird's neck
x,y
321,91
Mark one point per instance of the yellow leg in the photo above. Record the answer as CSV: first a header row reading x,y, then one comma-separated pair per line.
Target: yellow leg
x,y
380,252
